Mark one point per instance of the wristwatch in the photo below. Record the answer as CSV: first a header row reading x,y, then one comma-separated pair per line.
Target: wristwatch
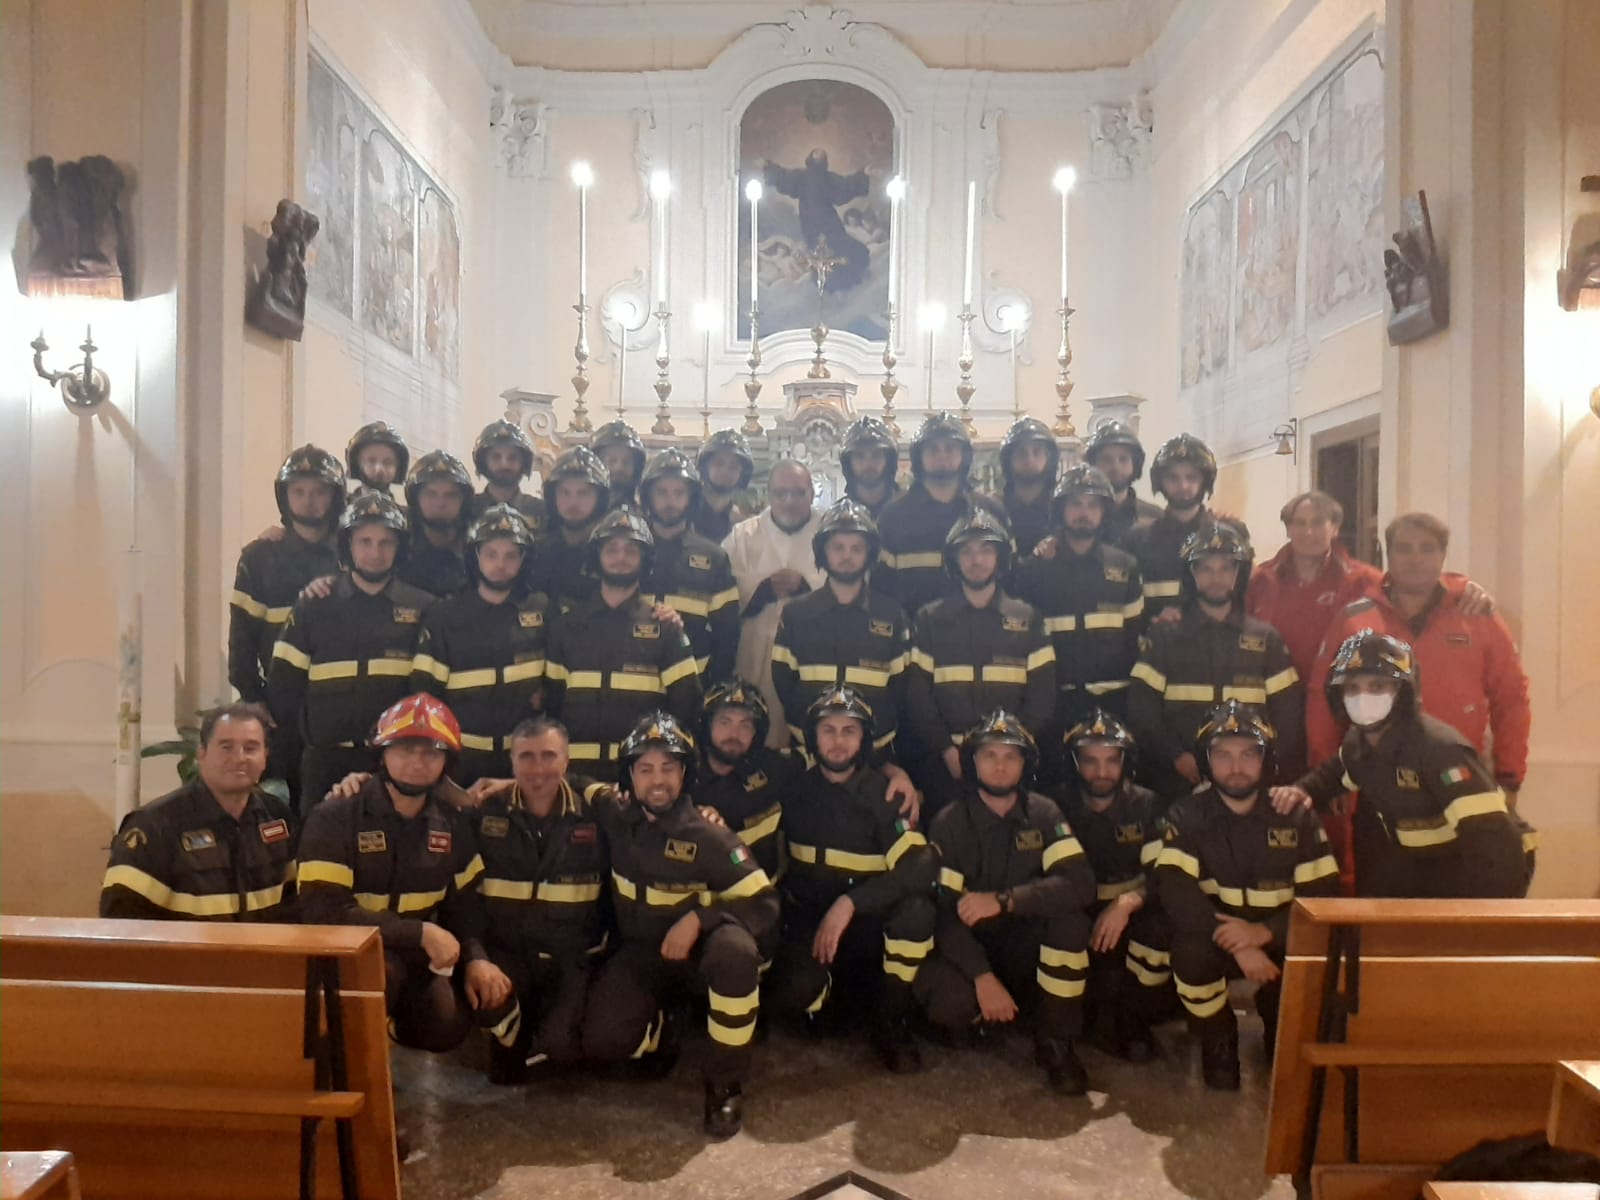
x,y
1005,900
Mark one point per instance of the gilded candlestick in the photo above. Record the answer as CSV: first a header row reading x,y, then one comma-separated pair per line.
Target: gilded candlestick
x,y
580,380
1063,426
752,385
663,385
966,388
890,385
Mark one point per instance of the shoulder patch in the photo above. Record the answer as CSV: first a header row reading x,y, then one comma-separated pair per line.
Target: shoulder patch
x,y
1116,574
739,856
1253,641
1128,835
1455,775
438,841
1029,839
755,781
583,834
134,838
1407,778
1014,624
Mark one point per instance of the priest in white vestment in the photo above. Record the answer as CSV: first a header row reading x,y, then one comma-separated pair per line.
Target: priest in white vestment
x,y
772,564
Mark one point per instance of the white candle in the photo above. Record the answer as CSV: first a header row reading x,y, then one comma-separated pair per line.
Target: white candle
x,y
896,191
583,177
752,191
972,218
660,189
1066,177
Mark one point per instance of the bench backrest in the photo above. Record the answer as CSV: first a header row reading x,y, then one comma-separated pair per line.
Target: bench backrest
x,y
1479,998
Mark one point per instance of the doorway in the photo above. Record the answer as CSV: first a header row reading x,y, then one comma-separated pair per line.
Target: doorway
x,y
1345,465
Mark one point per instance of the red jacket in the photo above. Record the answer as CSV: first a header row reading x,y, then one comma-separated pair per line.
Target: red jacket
x,y
1471,676
1302,612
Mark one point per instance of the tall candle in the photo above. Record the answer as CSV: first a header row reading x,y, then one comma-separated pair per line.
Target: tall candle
x,y
660,189
972,217
896,191
1066,177
752,191
583,177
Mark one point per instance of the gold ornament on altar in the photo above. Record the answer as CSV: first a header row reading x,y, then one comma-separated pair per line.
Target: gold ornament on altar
x,y
819,262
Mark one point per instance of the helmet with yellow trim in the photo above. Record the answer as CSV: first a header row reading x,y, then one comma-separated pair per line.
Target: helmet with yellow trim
x,y
1114,433
376,433
372,508
1000,728
657,731
314,463
1030,429
502,433
732,442
439,466
736,693
845,516
1235,718
498,521
584,465
868,433
1368,652
840,701
941,425
977,525
1185,448
623,523
670,463
418,718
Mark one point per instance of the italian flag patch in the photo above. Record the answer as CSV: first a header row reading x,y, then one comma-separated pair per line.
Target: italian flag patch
x,y
901,826
740,856
1455,775
1062,830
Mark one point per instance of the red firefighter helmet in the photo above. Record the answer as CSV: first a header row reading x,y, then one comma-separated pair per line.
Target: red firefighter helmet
x,y
420,717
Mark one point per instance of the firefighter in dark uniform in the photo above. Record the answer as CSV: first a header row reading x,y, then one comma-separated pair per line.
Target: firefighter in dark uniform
x,y
611,660
1429,821
858,914
741,776
393,857
725,466
311,491
869,461
483,650
973,653
575,496
1114,450
1014,893
216,849
438,500
1213,652
545,868
503,456
693,910
619,446
1029,460
914,525
689,574
1184,473
376,457
1228,873
845,632
346,656
1119,825
1090,597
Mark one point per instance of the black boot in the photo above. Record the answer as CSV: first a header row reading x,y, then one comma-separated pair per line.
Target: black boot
x,y
897,1046
1062,1068
1219,1057
724,1112
1134,1040
508,1065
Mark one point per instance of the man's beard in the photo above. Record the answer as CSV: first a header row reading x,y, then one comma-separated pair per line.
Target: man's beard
x,y
611,579
1100,790
500,587
1238,793
979,585
1000,793
1083,533
839,766
847,577
724,757
511,477
373,576
321,524
942,477
440,524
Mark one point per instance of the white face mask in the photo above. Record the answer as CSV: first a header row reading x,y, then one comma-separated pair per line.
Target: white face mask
x,y
1369,708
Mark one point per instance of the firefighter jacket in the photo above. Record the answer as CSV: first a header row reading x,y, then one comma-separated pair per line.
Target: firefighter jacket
x,y
1425,788
560,570
692,576
183,858
665,866
438,570
1124,516
265,586
544,880
609,667
749,800
913,528
891,493
1472,676
1030,852
486,661
1122,841
1092,605
1213,860
713,525
362,863
1190,665
864,645
1029,522
1157,546
531,507
344,658
968,661
846,839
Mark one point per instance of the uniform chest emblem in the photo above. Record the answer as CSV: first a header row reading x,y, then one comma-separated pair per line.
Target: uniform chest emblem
x,y
530,620
372,841
582,835
647,630
1407,778
1458,639
199,839
1116,574
1030,839
1014,624
699,562
1128,835
407,616
494,827
1283,839
681,851
275,831
438,841
1252,641
755,781
880,628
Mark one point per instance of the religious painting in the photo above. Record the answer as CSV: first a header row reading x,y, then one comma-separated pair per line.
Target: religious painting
x,y
439,281
1268,243
388,241
824,151
335,115
1344,189
1206,288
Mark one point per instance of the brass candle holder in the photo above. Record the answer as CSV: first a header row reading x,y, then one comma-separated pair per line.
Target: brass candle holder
x,y
752,385
890,386
966,388
663,385
1063,426
580,380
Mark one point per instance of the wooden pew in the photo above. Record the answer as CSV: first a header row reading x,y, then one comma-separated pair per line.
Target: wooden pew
x,y
1511,1191
38,1175
1412,1029
180,1059
1575,1108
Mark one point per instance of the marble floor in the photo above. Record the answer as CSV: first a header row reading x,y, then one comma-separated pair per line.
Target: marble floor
x,y
975,1124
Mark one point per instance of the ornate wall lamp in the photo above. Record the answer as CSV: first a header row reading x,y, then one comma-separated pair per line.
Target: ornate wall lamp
x,y
1288,439
84,387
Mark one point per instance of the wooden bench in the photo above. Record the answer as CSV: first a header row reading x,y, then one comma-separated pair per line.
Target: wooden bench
x,y
1412,1029
181,1059
1575,1108
38,1175
1511,1191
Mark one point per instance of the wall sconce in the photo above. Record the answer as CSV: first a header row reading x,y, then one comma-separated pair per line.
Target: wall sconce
x,y
1578,282
1288,439
83,388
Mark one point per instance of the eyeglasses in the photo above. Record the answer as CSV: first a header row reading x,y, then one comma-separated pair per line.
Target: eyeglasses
x,y
789,494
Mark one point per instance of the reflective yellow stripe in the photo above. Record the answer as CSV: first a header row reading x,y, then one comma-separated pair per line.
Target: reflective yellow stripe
x,y
955,881
1171,856
900,970
866,677
1317,868
427,664
1479,804
953,674
846,861
751,885
918,560
1190,692
468,873
476,741
652,684
1244,695
1076,960
1145,673
1110,891
1350,784
343,669
1162,588
731,1035
802,853
661,898
625,887
1205,1008
702,663
1530,841
908,949
782,654
579,681
1228,895
1149,852
1067,989
687,605
387,666
569,893
292,655
586,751
682,669
418,901
724,598
320,871
188,903
882,740
1285,678
764,828
1061,848
1060,624
1041,657
1276,898
904,842
1103,620
1202,991
556,672
507,889
1144,975
1133,608
921,658
818,673
1109,685
734,1006
517,672
249,604
997,674
460,680
372,901
1156,958
1436,836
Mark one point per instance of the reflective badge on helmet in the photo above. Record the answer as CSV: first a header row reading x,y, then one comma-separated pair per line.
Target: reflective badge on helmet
x,y
880,628
275,831
530,620
199,839
438,841
407,616
371,841
1029,839
494,827
681,851
1407,778
1283,839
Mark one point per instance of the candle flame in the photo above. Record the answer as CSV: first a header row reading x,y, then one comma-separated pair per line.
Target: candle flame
x,y
931,316
660,184
896,188
1066,179
752,191
582,174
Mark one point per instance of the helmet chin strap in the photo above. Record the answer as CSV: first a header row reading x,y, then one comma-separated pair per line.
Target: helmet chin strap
x,y
406,789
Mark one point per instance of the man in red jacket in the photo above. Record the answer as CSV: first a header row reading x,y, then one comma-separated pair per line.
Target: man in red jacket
x,y
1471,675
